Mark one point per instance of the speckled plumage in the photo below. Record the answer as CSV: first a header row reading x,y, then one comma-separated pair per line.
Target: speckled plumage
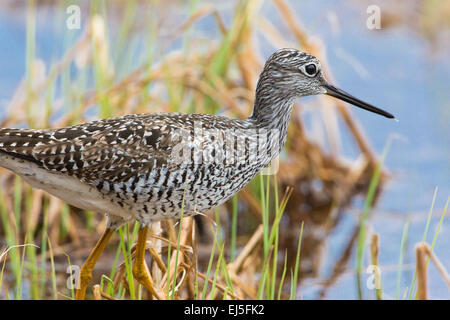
x,y
133,161
142,166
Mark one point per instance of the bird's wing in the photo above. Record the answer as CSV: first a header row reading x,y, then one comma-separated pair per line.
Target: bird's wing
x,y
111,149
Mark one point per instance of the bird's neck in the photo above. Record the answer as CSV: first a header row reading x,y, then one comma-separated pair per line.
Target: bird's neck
x,y
272,115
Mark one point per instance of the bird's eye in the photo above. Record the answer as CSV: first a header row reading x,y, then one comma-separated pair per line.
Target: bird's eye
x,y
310,69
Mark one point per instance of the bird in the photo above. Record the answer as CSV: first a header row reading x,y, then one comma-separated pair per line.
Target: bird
x,y
153,166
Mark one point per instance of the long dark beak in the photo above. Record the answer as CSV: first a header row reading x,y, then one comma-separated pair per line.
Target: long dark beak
x,y
342,95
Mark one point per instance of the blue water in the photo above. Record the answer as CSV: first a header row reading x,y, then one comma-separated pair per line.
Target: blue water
x,y
403,75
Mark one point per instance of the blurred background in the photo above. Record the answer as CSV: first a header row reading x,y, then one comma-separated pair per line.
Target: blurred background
x,y
205,56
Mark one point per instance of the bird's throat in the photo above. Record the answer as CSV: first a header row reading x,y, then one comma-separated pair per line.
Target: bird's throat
x,y
273,117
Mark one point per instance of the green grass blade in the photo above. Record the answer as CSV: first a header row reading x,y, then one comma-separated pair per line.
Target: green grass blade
x,y
208,270
216,273
44,241
53,272
365,214
400,260
283,275
297,265
127,261
178,245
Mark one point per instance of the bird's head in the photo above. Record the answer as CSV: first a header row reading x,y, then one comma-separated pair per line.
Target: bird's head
x,y
290,74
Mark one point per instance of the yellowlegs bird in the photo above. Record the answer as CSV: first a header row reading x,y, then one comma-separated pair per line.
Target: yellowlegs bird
x,y
145,166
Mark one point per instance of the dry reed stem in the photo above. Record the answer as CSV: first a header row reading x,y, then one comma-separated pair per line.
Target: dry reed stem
x,y
119,277
180,285
190,276
158,259
218,285
248,290
170,232
266,265
245,252
173,244
97,292
287,194
421,268
374,250
250,270
107,296
438,264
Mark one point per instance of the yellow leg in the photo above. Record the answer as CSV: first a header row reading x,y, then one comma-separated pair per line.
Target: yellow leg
x,y
140,269
88,266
